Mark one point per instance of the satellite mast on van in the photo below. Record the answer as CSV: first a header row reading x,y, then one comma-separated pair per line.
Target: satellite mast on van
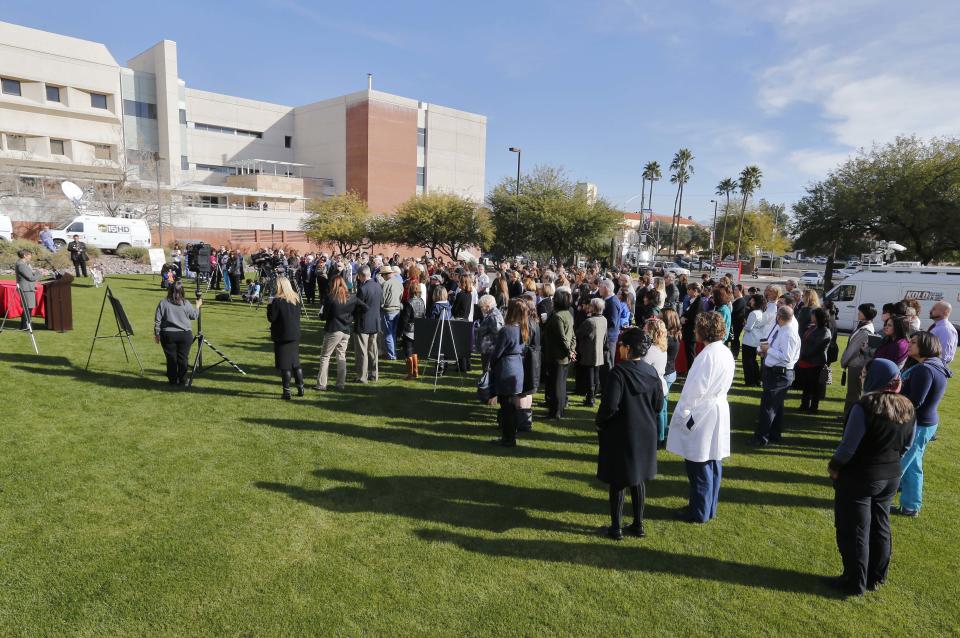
x,y
882,251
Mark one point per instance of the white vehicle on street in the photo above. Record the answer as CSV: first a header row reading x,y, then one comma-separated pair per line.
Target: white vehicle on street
x,y
106,233
6,228
885,285
811,278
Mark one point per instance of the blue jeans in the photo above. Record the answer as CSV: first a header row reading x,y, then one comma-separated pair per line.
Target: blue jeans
x,y
704,488
663,423
389,321
911,481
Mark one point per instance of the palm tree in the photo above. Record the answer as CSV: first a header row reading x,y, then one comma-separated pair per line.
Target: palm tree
x,y
749,181
651,173
726,187
682,170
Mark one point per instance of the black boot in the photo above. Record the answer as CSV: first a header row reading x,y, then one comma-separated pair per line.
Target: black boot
x,y
285,375
298,376
524,420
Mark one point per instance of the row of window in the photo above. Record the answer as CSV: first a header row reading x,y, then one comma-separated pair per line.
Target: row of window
x,y
215,128
54,93
57,147
213,168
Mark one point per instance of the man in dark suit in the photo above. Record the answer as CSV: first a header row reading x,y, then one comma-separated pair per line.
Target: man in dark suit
x,y
78,255
365,335
26,279
611,312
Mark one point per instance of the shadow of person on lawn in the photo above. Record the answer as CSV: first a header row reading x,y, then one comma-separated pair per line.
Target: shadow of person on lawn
x,y
633,557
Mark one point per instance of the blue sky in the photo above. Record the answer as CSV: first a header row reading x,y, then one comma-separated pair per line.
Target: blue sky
x,y
599,87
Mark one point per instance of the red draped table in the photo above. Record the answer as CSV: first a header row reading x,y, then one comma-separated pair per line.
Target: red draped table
x,y
10,300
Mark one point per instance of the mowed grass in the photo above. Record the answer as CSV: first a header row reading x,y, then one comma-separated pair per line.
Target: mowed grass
x,y
128,509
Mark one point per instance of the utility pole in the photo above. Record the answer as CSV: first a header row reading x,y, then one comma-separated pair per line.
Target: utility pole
x,y
713,237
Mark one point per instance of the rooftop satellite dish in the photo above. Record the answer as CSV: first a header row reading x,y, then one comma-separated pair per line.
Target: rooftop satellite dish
x,y
73,192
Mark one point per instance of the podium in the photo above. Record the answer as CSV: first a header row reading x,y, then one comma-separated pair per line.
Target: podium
x,y
59,303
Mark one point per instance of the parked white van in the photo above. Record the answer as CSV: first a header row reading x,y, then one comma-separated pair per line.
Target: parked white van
x,y
106,233
880,285
6,228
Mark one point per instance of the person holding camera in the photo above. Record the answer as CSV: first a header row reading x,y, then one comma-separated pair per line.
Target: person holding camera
x,y
27,280
172,330
78,255
283,313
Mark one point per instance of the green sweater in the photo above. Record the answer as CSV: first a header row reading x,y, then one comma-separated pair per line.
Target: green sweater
x,y
559,339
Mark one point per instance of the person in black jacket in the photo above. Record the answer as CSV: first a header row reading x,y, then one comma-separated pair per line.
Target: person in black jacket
x,y
532,354
738,317
338,311
506,370
688,322
366,347
813,358
462,308
283,313
627,428
866,474
78,255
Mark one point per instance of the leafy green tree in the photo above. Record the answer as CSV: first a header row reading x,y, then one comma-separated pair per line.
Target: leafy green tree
x,y
551,216
438,222
651,173
725,188
749,181
682,168
344,220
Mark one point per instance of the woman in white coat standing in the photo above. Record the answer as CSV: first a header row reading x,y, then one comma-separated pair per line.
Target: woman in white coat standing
x,y
700,428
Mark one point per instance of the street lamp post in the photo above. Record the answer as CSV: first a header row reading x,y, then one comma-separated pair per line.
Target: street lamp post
x,y
713,238
517,150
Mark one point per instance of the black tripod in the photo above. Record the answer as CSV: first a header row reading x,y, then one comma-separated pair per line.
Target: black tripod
x,y
199,341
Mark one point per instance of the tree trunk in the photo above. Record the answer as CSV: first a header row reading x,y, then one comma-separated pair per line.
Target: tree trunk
x,y
676,227
650,196
828,273
723,237
643,192
743,210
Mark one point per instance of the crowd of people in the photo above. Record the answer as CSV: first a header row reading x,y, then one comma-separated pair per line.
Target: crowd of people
x,y
627,340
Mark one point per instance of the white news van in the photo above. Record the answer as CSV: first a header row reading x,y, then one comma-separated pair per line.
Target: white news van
x,y
880,285
6,228
106,233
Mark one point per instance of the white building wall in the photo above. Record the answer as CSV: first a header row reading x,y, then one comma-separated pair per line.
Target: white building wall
x,y
78,67
455,151
274,121
320,140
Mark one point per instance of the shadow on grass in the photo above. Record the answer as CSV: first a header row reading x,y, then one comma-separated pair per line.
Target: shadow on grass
x,y
606,555
424,440
663,488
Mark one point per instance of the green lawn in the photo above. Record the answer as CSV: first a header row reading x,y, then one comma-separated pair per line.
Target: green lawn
x,y
127,509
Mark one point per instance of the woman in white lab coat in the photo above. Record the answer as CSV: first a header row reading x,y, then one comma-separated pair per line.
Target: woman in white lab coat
x,y
700,427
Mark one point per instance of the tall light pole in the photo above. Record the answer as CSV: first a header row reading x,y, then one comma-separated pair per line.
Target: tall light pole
x,y
713,238
516,149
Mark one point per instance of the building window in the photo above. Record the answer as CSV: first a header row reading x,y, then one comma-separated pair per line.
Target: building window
x,y
215,128
183,116
287,141
103,151
421,137
184,163
244,133
98,100
140,109
56,147
16,143
10,87
53,93
213,168
421,176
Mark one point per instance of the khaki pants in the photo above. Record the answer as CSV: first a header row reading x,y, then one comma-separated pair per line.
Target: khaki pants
x,y
334,343
367,351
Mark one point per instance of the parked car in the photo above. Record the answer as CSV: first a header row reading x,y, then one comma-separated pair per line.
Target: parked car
x,y
660,268
849,271
838,275
811,278
701,264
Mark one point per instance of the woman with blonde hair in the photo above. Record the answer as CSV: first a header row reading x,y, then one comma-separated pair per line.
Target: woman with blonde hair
x,y
671,321
657,357
804,316
283,313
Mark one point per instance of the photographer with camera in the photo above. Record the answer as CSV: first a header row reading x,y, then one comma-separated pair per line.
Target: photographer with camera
x,y
235,271
283,313
172,330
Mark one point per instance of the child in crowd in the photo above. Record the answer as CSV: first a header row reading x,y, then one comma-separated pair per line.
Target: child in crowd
x,y
253,292
97,273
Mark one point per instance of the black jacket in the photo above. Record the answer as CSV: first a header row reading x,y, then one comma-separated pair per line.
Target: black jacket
x,y
338,315
738,313
370,296
462,304
78,251
284,318
687,331
813,346
627,424
532,358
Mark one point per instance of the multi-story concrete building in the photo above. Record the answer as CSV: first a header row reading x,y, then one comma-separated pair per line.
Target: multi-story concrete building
x,y
228,168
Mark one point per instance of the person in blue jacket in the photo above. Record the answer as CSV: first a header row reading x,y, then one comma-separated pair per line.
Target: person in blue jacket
x,y
506,369
924,384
